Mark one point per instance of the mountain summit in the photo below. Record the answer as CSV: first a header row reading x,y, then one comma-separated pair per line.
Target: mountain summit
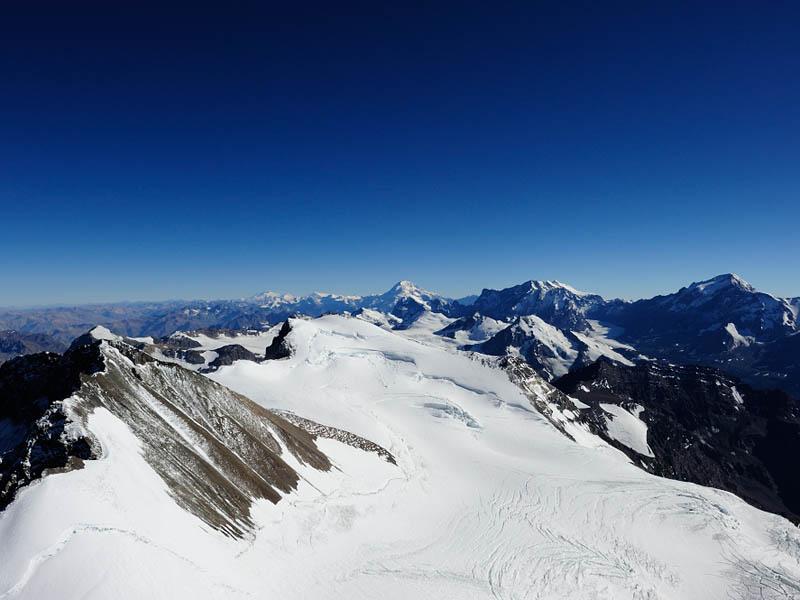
x,y
557,303
720,283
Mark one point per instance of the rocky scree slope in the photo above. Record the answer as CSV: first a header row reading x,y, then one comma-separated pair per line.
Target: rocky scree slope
x,y
216,450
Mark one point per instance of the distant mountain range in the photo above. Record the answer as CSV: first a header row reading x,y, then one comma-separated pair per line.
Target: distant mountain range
x,y
535,441
722,322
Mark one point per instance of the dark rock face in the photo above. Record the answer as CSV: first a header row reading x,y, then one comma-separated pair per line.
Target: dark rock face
x,y
702,426
409,310
33,418
279,348
227,355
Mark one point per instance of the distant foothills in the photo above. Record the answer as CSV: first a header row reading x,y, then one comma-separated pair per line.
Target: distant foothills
x,y
722,322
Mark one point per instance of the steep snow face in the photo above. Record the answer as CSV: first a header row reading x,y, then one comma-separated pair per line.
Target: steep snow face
x,y
178,467
216,451
737,339
627,428
423,327
542,345
488,499
554,351
562,354
471,329
387,321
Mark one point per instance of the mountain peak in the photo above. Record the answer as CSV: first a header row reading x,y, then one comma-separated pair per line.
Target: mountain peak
x,y
721,282
273,298
404,285
103,333
552,284
408,289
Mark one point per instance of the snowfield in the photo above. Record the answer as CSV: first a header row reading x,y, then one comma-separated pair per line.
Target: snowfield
x,y
487,500
627,428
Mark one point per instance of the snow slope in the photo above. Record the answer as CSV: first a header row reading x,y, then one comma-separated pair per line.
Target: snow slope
x,y
487,500
627,428
491,501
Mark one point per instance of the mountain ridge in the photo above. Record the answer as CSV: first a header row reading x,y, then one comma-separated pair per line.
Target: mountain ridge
x,y
722,321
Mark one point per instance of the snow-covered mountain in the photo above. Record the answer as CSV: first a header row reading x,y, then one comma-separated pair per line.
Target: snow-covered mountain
x,y
216,451
313,305
553,351
437,473
160,319
556,303
722,322
402,299
721,307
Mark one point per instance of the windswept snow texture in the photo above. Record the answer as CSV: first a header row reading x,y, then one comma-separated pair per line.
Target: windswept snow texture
x,y
487,500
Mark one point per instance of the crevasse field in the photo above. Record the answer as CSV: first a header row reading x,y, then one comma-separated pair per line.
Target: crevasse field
x,y
487,500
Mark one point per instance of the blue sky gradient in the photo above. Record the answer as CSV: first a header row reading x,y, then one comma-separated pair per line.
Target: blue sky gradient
x,y
625,148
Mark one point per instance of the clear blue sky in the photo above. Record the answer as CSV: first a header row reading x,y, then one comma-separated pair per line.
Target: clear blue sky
x,y
625,148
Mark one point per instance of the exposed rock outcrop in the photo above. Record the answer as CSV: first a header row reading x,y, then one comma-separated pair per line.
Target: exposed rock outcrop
x,y
701,426
280,347
216,450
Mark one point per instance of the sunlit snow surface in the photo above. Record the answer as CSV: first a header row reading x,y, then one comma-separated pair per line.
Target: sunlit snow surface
x,y
487,500
627,428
